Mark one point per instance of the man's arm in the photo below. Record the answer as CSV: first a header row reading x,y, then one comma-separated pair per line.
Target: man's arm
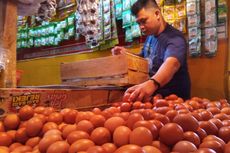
x,y
143,91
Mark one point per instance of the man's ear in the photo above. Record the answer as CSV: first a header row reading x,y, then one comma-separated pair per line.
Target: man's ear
x,y
157,13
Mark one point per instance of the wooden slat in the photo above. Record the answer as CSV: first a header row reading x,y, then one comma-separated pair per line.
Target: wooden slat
x,y
100,67
137,63
137,77
8,31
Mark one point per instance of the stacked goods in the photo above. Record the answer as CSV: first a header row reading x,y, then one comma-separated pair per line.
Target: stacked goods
x,y
164,125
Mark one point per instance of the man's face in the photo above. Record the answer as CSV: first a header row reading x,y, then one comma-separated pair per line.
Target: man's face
x,y
149,21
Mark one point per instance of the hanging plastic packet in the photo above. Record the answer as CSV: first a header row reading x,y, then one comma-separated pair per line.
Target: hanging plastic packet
x,y
126,5
117,2
118,10
194,20
210,41
180,10
222,11
71,31
135,29
128,35
126,18
191,7
195,47
180,24
169,13
70,20
210,19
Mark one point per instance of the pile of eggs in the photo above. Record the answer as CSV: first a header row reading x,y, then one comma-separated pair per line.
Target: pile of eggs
x,y
164,125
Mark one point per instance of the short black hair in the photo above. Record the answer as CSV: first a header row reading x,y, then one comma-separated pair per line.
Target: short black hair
x,y
140,4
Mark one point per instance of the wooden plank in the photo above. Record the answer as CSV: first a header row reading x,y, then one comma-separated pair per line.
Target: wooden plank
x,y
106,66
8,21
98,82
137,63
137,77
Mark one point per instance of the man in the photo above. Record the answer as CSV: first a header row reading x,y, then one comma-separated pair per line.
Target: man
x,y
165,48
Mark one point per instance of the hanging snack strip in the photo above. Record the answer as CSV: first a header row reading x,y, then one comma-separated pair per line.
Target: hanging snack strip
x,y
88,21
47,10
210,30
194,27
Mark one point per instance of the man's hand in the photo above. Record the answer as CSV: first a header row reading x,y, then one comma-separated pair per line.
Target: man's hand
x,y
140,92
118,50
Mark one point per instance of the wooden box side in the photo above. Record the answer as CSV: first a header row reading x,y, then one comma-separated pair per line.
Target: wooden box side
x,y
137,63
99,67
137,77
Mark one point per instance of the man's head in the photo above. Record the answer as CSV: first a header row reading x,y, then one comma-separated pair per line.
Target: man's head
x,y
148,16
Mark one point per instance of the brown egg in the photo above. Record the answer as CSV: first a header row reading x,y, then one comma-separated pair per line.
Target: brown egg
x,y
68,129
125,107
34,126
162,110
161,103
217,122
224,133
201,133
212,144
81,145
77,135
58,147
195,104
148,114
100,136
187,122
4,149
171,114
130,148
2,128
62,126
39,109
97,121
26,112
184,147
14,145
133,118
148,105
69,116
85,125
97,110
163,118
21,135
172,131
137,105
209,127
215,138
204,150
109,147
227,148
96,149
42,117
226,110
162,147
192,137
196,115
141,136
48,111
125,115
45,142
32,142
82,116
11,133
121,136
222,116
22,149
11,122
48,126
6,140
55,117
206,115
151,149
149,126
52,132
214,110
226,122
158,124
112,123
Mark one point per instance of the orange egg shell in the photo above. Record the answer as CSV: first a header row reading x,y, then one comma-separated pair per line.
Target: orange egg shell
x,y
100,136
121,136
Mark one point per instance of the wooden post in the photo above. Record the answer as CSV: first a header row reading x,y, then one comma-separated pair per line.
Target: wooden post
x,y
8,32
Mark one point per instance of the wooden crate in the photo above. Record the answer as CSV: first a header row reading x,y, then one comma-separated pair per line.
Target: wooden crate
x,y
120,70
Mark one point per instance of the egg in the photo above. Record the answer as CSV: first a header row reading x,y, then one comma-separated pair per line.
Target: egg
x,y
209,127
37,125
58,147
161,103
112,123
125,107
85,125
172,131
32,142
224,133
171,114
192,137
141,136
2,128
133,118
215,138
121,136
96,149
204,150
151,149
98,120
22,149
14,145
217,122
4,149
160,117
81,145
76,135
212,144
184,147
26,112
21,135
187,122
11,122
39,109
100,136
48,126
6,140
12,134
109,147
130,148
48,111
55,117
201,133
68,129
45,142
